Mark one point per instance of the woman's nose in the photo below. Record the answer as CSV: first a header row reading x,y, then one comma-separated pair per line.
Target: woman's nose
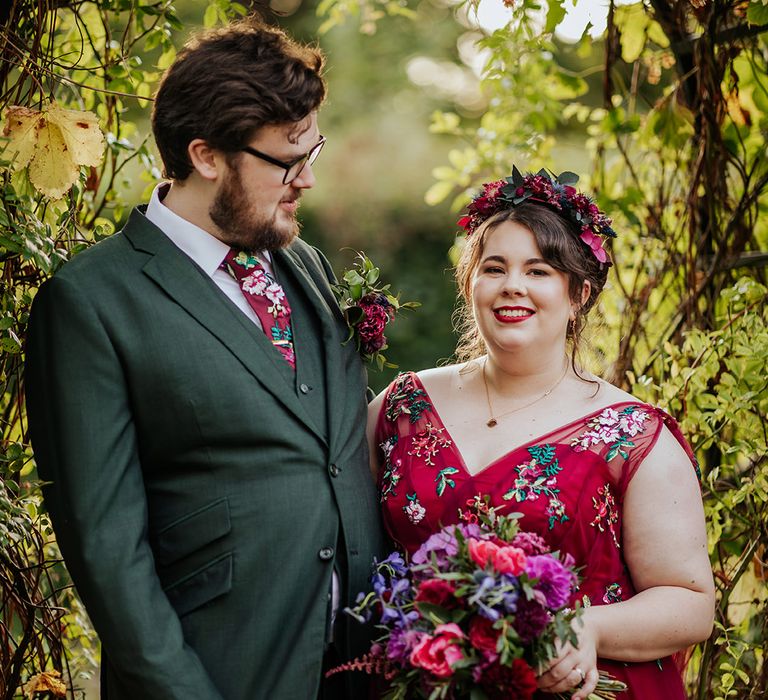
x,y
514,284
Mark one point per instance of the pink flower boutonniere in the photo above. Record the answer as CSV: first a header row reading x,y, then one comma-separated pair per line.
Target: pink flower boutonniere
x,y
368,308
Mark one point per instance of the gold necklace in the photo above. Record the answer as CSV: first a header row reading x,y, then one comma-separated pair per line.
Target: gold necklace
x,y
493,420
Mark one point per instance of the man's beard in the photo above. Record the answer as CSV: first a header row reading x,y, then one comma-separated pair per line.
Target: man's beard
x,y
240,228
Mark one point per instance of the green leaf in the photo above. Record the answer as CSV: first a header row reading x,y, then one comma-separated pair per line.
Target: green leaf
x,y
211,16
438,192
555,15
757,13
633,22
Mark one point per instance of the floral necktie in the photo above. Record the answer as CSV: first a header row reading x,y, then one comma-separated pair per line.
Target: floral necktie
x,y
266,297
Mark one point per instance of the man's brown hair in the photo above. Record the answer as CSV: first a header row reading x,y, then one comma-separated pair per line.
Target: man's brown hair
x,y
227,83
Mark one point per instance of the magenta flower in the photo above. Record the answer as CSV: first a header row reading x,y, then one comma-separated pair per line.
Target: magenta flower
x,y
555,583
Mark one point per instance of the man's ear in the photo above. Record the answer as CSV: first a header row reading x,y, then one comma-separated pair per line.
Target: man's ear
x,y
205,159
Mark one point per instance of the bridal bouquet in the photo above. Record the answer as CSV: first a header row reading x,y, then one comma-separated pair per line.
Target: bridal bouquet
x,y
476,611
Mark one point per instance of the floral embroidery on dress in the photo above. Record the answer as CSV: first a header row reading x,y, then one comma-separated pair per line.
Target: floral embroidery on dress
x,y
607,514
428,443
414,510
390,475
538,477
443,479
613,594
405,398
613,428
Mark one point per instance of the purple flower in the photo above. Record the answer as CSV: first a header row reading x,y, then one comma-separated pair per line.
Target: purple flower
x,y
401,642
555,582
473,530
530,620
443,544
396,562
379,583
510,598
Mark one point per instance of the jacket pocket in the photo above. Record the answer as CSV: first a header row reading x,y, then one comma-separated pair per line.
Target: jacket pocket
x,y
192,532
201,586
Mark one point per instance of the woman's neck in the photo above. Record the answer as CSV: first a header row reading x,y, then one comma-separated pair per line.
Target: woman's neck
x,y
523,377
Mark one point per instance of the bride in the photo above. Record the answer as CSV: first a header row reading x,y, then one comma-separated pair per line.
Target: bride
x,y
597,473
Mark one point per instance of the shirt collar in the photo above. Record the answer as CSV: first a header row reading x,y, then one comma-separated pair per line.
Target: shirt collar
x,y
205,250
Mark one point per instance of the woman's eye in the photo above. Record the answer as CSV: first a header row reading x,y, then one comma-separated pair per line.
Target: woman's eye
x,y
538,272
493,270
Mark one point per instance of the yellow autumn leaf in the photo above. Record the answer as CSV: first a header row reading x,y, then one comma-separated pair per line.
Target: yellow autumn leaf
x,y
81,134
54,143
21,124
45,682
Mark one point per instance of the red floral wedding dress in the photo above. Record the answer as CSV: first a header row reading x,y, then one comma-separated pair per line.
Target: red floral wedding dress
x,y
568,483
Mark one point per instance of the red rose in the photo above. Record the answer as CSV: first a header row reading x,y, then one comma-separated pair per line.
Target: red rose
x,y
483,636
438,592
439,653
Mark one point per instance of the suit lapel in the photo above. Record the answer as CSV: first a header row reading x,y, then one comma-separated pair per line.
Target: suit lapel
x,y
329,313
198,295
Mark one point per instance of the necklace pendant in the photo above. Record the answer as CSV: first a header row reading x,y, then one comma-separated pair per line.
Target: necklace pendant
x,y
492,423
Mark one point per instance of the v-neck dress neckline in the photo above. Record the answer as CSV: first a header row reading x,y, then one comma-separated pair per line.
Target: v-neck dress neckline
x,y
542,437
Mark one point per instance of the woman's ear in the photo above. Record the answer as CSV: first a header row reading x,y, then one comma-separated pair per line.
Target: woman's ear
x,y
586,290
206,160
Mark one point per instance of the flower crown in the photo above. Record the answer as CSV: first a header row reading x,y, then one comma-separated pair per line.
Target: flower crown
x,y
554,191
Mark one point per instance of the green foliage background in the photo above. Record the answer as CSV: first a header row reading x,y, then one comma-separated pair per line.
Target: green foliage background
x,y
665,116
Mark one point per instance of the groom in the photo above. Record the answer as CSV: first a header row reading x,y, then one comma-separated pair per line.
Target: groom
x,y
194,408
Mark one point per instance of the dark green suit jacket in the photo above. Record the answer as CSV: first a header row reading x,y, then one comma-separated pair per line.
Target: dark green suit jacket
x,y
199,508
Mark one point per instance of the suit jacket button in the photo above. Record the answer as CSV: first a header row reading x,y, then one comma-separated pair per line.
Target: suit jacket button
x,y
304,388
326,553
334,470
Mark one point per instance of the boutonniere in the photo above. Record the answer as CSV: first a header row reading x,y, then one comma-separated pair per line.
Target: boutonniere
x,y
369,307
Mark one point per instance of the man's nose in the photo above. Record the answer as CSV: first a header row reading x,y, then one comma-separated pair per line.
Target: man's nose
x,y
305,179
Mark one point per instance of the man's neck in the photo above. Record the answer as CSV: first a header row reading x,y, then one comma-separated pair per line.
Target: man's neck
x,y
191,202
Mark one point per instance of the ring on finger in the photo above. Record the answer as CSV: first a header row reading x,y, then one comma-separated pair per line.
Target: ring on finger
x,y
581,673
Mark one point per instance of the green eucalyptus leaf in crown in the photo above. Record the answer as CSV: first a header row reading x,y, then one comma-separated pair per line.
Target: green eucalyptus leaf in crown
x,y
554,191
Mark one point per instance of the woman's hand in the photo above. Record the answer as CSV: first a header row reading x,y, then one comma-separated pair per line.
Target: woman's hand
x,y
573,667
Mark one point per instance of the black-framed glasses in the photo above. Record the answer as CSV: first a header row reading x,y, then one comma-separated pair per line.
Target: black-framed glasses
x,y
293,168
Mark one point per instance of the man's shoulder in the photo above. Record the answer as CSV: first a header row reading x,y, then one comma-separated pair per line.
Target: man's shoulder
x,y
107,257
312,258
306,251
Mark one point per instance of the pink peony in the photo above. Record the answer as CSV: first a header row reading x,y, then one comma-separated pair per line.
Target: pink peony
x,y
439,653
481,551
530,543
509,560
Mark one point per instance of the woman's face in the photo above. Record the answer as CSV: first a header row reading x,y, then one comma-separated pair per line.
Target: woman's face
x,y
519,300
